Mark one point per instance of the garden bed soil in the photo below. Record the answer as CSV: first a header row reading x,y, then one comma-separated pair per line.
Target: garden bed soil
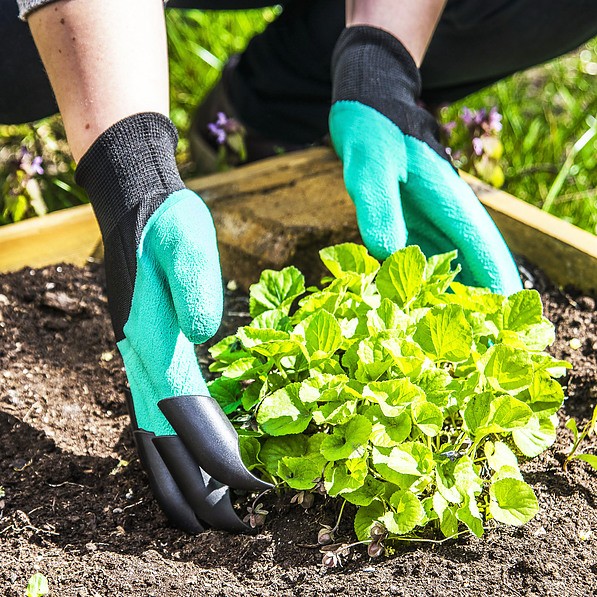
x,y
77,512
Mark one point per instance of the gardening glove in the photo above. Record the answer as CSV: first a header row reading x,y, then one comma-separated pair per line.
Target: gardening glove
x,y
397,173
165,294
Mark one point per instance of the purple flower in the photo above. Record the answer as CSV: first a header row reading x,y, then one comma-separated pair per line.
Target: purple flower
x,y
222,120
36,165
217,132
223,127
467,116
494,120
29,164
477,145
449,127
480,116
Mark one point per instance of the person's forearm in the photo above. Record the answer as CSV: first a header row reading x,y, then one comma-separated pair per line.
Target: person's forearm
x,y
411,21
106,60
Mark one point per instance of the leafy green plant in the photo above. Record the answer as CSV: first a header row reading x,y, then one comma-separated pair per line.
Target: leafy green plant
x,y
37,586
396,389
579,437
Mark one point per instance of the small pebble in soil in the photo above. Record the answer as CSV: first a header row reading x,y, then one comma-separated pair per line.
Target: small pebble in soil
x,y
575,343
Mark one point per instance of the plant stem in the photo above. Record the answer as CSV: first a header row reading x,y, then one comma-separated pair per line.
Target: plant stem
x,y
256,500
339,517
585,432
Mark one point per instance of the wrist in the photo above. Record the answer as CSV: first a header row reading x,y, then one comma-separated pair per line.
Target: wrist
x,y
370,62
372,67
411,21
130,167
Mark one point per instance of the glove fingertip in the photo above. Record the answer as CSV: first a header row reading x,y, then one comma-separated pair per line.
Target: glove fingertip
x,y
164,487
209,499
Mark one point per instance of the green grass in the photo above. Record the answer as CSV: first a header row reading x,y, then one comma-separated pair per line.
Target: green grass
x,y
549,133
199,44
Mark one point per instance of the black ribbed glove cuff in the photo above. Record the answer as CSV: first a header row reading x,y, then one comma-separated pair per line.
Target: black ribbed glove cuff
x,y
372,67
130,164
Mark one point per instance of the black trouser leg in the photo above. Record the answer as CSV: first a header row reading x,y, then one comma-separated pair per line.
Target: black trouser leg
x,y
25,92
282,84
478,43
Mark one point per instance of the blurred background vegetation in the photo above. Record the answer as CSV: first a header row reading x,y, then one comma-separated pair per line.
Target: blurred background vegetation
x,y
545,152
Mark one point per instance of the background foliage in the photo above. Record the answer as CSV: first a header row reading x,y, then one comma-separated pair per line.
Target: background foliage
x,y
549,134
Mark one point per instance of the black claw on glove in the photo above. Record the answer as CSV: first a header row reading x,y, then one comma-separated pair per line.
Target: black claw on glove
x,y
191,497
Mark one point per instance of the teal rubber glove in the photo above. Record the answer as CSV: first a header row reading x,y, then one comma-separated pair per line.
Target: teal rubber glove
x,y
398,175
176,303
165,295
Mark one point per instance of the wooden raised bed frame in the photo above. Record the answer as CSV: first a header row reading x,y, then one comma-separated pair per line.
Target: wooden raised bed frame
x,y
566,253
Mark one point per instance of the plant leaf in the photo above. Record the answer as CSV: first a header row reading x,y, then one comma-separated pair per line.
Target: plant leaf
x,y
246,368
589,458
348,440
348,258
37,586
276,290
427,417
366,517
301,472
249,450
446,514
388,316
507,369
486,413
363,496
387,432
283,413
393,396
268,342
521,310
322,334
498,455
227,392
406,465
539,335
535,437
401,275
434,383
445,334
472,298
571,424
345,476
512,501
407,356
469,514
406,513
276,448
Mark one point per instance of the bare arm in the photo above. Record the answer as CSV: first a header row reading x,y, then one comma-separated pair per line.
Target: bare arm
x,y
106,60
411,21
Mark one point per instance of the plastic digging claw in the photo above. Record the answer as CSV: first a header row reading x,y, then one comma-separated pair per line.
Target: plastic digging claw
x,y
191,473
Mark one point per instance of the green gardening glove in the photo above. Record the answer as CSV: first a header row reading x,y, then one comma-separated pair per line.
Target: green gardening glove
x,y
165,295
397,173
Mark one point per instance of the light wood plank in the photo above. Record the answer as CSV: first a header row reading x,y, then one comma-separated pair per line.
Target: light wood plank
x,y
70,235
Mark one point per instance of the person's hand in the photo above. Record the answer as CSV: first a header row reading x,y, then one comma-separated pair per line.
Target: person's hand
x,y
397,173
165,294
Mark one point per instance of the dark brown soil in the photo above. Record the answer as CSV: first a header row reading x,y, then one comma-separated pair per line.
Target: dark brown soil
x,y
77,512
